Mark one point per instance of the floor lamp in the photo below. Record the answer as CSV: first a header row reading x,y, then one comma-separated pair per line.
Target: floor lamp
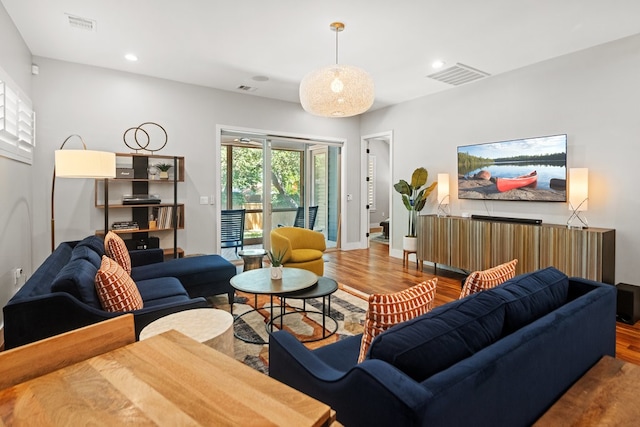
x,y
79,164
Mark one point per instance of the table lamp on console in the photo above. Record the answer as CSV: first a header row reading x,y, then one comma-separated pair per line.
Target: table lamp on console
x,y
578,197
443,194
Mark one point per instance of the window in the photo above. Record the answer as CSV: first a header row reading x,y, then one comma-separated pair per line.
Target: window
x,y
17,122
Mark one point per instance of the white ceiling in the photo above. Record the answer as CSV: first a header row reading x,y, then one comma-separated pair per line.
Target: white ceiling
x,y
225,43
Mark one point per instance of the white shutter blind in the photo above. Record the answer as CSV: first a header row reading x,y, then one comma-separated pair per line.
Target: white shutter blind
x,y
17,122
371,185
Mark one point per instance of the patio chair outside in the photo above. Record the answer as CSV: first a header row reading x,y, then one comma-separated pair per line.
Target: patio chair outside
x,y
232,228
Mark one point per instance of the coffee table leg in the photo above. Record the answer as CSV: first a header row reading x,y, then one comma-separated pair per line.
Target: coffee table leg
x,y
271,311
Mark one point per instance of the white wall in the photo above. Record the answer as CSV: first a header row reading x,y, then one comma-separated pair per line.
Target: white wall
x,y
100,104
16,214
591,95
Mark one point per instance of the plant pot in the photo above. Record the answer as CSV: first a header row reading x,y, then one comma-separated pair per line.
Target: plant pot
x,y
410,244
164,175
276,272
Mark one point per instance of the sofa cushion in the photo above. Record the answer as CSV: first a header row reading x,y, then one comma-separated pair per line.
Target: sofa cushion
x,y
95,243
490,278
116,290
304,255
116,249
86,253
531,296
448,334
387,310
191,271
160,288
77,278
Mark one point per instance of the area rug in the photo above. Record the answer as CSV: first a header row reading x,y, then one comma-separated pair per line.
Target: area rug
x,y
348,308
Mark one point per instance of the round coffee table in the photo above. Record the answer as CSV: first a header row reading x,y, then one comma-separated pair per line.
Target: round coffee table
x,y
252,258
209,326
323,289
259,282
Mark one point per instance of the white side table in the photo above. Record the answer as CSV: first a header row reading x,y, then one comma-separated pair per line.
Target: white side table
x,y
209,326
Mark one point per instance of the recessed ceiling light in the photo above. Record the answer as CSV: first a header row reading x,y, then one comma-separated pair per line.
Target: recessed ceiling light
x,y
438,63
131,57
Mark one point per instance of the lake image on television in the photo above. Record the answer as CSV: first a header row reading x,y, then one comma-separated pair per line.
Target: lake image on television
x,y
531,169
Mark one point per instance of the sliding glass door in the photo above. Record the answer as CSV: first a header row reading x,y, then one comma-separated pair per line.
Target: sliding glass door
x,y
298,175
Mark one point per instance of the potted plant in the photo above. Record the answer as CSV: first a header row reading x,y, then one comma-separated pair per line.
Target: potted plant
x,y
414,198
276,264
164,169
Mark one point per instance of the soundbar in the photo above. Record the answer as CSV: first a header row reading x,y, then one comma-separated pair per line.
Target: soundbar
x,y
506,219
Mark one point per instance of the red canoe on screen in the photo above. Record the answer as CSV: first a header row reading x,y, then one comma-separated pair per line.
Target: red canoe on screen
x,y
506,184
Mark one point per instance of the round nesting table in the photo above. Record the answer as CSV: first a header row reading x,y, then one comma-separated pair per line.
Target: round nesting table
x,y
259,282
252,258
323,289
209,326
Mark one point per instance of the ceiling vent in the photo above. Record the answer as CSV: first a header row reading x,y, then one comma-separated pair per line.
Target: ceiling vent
x,y
458,74
246,88
80,23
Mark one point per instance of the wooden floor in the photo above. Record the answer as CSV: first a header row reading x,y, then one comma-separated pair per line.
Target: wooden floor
x,y
374,271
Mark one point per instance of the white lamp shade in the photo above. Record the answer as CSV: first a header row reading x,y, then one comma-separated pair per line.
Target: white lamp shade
x,y
578,188
85,164
443,186
337,91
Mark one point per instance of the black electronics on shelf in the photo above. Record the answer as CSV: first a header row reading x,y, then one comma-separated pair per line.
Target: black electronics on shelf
x,y
507,219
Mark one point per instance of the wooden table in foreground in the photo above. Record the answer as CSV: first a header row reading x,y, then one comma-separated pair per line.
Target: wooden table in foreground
x,y
168,379
607,395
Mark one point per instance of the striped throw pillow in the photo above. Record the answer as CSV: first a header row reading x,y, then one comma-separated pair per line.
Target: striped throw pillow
x,y
386,310
116,290
487,279
116,249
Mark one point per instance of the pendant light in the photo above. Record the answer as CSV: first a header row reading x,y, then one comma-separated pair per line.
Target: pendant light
x,y
337,90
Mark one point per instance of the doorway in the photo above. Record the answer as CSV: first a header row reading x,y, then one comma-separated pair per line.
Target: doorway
x,y
377,186
277,178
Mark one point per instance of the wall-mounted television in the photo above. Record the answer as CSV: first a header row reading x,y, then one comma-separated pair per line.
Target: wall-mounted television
x,y
528,169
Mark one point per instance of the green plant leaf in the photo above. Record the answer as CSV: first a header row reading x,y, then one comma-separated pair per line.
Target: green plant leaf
x,y
407,203
419,178
402,187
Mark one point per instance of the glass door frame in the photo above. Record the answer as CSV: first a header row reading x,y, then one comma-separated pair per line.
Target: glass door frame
x,y
267,136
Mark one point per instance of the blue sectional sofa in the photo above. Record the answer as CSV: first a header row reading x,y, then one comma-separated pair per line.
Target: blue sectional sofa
x,y
501,357
61,296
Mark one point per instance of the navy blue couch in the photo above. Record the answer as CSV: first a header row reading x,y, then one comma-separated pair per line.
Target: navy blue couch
x,y
61,296
501,357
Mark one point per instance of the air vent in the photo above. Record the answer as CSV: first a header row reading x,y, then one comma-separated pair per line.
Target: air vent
x,y
80,23
247,88
458,74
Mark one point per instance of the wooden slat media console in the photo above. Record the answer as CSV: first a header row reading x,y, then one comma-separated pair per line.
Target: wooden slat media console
x,y
471,245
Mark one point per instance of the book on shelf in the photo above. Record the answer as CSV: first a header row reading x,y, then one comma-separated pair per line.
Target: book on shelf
x,y
125,225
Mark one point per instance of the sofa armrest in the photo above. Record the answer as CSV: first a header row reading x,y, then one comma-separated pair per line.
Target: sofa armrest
x,y
146,256
389,396
35,318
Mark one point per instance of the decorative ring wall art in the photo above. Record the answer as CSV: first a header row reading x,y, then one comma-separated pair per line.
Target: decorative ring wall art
x,y
141,136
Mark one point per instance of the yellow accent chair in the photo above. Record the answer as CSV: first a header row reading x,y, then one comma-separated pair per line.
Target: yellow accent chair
x,y
302,248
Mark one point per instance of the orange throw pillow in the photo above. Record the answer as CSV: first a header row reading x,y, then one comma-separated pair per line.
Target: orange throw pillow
x,y
387,310
487,279
116,290
116,249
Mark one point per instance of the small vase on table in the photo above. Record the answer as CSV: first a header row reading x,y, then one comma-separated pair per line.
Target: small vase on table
x,y
276,272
